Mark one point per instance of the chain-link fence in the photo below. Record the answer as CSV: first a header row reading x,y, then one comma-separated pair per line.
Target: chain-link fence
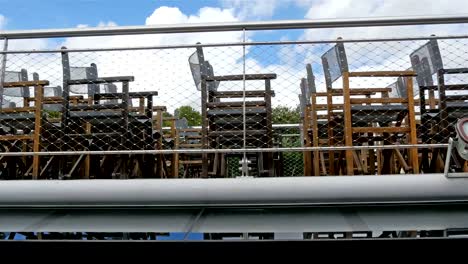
x,y
225,110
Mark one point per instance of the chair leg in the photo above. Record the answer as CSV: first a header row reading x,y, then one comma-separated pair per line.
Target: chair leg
x,y
348,128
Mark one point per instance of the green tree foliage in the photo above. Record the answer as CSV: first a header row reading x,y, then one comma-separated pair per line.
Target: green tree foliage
x,y
166,123
193,116
289,137
285,115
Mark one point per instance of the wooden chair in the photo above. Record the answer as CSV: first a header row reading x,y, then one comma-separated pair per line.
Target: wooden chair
x,y
313,125
442,104
222,121
21,126
105,122
188,138
367,119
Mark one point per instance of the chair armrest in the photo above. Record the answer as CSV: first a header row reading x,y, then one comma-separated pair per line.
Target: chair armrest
x,y
240,77
102,80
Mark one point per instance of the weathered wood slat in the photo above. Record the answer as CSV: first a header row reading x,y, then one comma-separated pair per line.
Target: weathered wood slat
x,y
356,91
237,132
380,129
25,83
96,107
377,100
240,77
16,137
239,94
190,145
382,74
236,104
189,130
101,80
455,71
191,162
17,109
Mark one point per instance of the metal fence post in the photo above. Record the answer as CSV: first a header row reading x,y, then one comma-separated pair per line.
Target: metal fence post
x,y
3,69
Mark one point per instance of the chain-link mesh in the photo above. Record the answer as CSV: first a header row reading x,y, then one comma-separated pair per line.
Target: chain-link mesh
x,y
309,108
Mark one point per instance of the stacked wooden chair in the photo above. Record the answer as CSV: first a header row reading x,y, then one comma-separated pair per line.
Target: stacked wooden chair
x,y
21,125
187,137
314,125
367,116
105,122
442,104
223,120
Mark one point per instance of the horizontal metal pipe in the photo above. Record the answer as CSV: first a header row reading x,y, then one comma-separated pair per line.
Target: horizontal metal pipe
x,y
235,26
199,151
330,190
233,44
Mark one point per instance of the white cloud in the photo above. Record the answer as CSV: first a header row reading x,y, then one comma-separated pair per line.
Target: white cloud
x,y
164,70
166,15
23,44
167,70
384,8
373,8
28,44
248,9
382,55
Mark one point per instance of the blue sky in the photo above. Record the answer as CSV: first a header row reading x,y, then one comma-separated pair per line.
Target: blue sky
x,y
33,14
64,14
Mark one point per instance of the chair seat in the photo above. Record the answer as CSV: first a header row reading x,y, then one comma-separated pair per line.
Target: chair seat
x,y
463,105
17,116
95,114
237,133
377,113
378,108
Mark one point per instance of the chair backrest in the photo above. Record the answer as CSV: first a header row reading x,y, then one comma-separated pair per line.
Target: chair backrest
x,y
14,76
334,63
50,91
307,89
200,67
89,73
76,73
8,104
181,123
109,88
311,88
399,88
426,61
303,97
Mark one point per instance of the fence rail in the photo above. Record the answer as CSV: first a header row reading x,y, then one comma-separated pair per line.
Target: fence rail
x,y
237,26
